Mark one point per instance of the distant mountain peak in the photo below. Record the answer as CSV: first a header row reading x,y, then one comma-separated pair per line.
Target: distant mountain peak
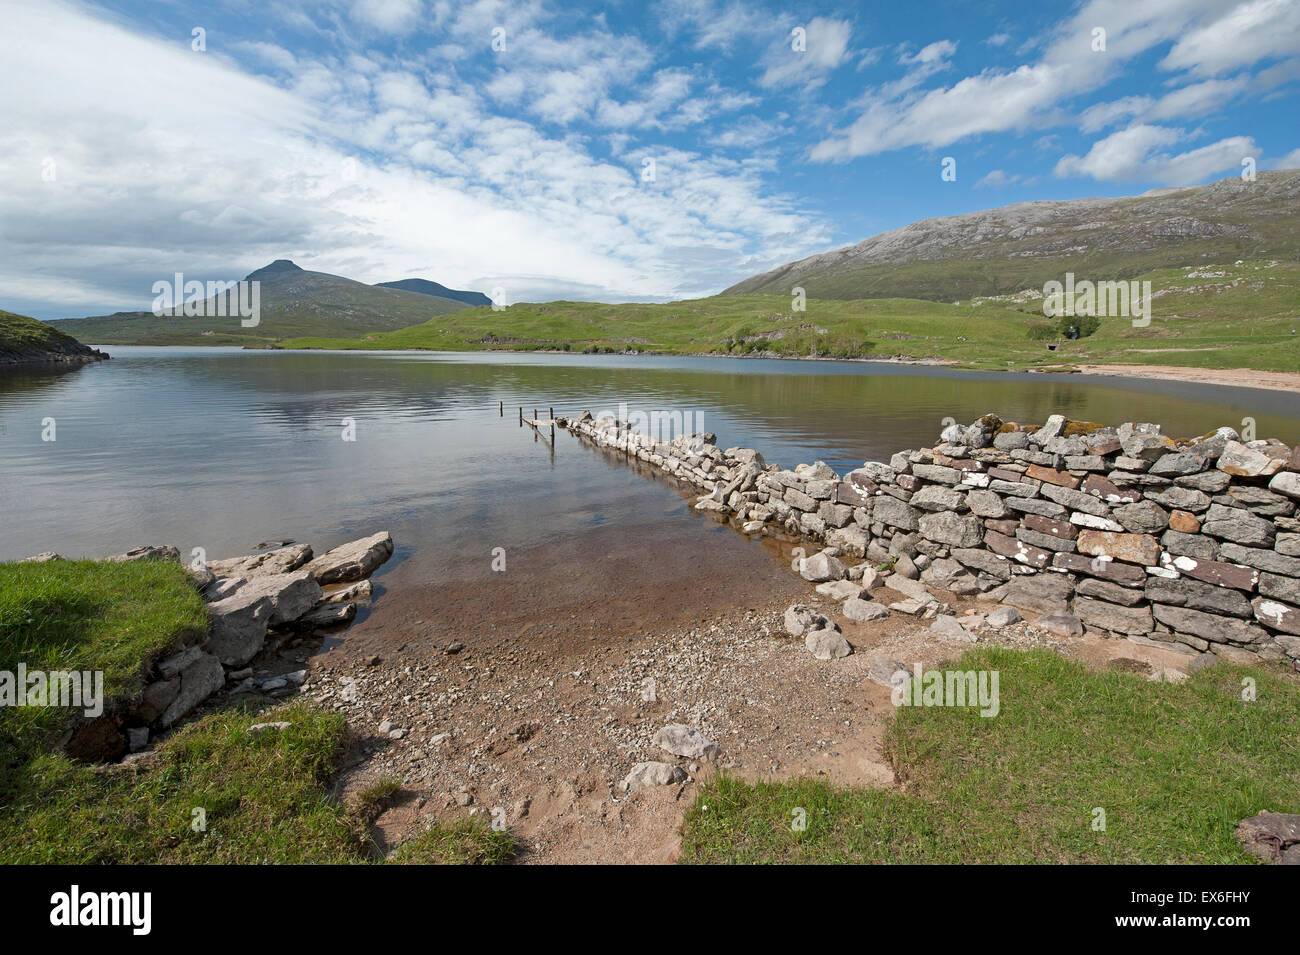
x,y
425,287
278,267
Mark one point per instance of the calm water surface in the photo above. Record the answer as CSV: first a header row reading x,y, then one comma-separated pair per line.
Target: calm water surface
x,y
225,448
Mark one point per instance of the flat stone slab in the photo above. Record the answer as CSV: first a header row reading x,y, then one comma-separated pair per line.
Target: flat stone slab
x,y
282,560
352,561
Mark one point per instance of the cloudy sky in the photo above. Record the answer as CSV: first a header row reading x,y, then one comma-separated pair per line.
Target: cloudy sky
x,y
648,150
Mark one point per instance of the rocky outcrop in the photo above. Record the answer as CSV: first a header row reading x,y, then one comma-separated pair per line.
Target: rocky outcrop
x,y
251,599
1122,531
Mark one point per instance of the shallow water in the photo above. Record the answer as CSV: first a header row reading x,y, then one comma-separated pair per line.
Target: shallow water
x,y
222,449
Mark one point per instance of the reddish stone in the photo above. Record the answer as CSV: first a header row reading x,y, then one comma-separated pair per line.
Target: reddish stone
x,y
1124,574
864,482
1052,476
1008,528
1109,491
960,464
1109,446
1184,522
1002,474
1217,572
909,482
1045,525
851,495
1133,548
1017,550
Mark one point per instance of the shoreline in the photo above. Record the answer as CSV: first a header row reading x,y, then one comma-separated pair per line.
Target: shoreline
x,y
1258,379
1288,381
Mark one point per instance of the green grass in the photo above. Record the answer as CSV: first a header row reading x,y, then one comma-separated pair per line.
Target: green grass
x,y
88,615
1241,320
26,339
469,841
1175,767
261,799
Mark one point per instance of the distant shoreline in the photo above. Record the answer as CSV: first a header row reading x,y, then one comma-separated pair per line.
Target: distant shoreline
x,y
1284,381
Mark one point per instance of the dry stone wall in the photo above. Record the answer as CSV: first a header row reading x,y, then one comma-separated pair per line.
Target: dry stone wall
x,y
1138,535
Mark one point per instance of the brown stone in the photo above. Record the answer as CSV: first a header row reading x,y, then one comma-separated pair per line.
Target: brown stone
x,y
1125,574
1045,525
1109,491
1017,550
1184,522
1133,548
1217,572
1004,527
1052,476
852,495
862,481
961,464
908,482
1104,448
1277,615
1002,474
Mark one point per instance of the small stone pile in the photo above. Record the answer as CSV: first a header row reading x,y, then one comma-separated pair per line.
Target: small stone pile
x,y
1191,543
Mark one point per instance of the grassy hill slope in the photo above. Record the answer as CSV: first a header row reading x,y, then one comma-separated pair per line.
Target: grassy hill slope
x,y
1001,251
1235,316
24,340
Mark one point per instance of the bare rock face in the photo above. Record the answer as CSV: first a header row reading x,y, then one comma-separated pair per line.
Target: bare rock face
x,y
198,681
282,560
292,595
352,561
239,625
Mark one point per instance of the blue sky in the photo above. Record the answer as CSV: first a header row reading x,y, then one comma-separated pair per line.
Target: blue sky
x,y
385,139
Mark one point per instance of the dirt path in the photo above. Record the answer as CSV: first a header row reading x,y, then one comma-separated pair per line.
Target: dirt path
x,y
1235,377
540,734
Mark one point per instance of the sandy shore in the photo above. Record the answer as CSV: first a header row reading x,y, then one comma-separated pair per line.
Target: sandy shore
x,y
1235,377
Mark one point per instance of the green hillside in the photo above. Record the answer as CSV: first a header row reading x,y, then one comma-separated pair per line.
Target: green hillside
x,y
1001,251
1222,317
294,302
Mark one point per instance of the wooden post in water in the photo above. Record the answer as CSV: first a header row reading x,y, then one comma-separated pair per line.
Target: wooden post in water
x,y
521,417
552,411
501,407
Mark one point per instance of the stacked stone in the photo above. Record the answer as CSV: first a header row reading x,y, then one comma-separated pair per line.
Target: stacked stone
x,y
1193,542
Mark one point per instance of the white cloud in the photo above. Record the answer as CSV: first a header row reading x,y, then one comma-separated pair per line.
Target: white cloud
x,y
389,16
826,46
1132,155
1001,100
1290,161
170,160
997,179
1246,34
